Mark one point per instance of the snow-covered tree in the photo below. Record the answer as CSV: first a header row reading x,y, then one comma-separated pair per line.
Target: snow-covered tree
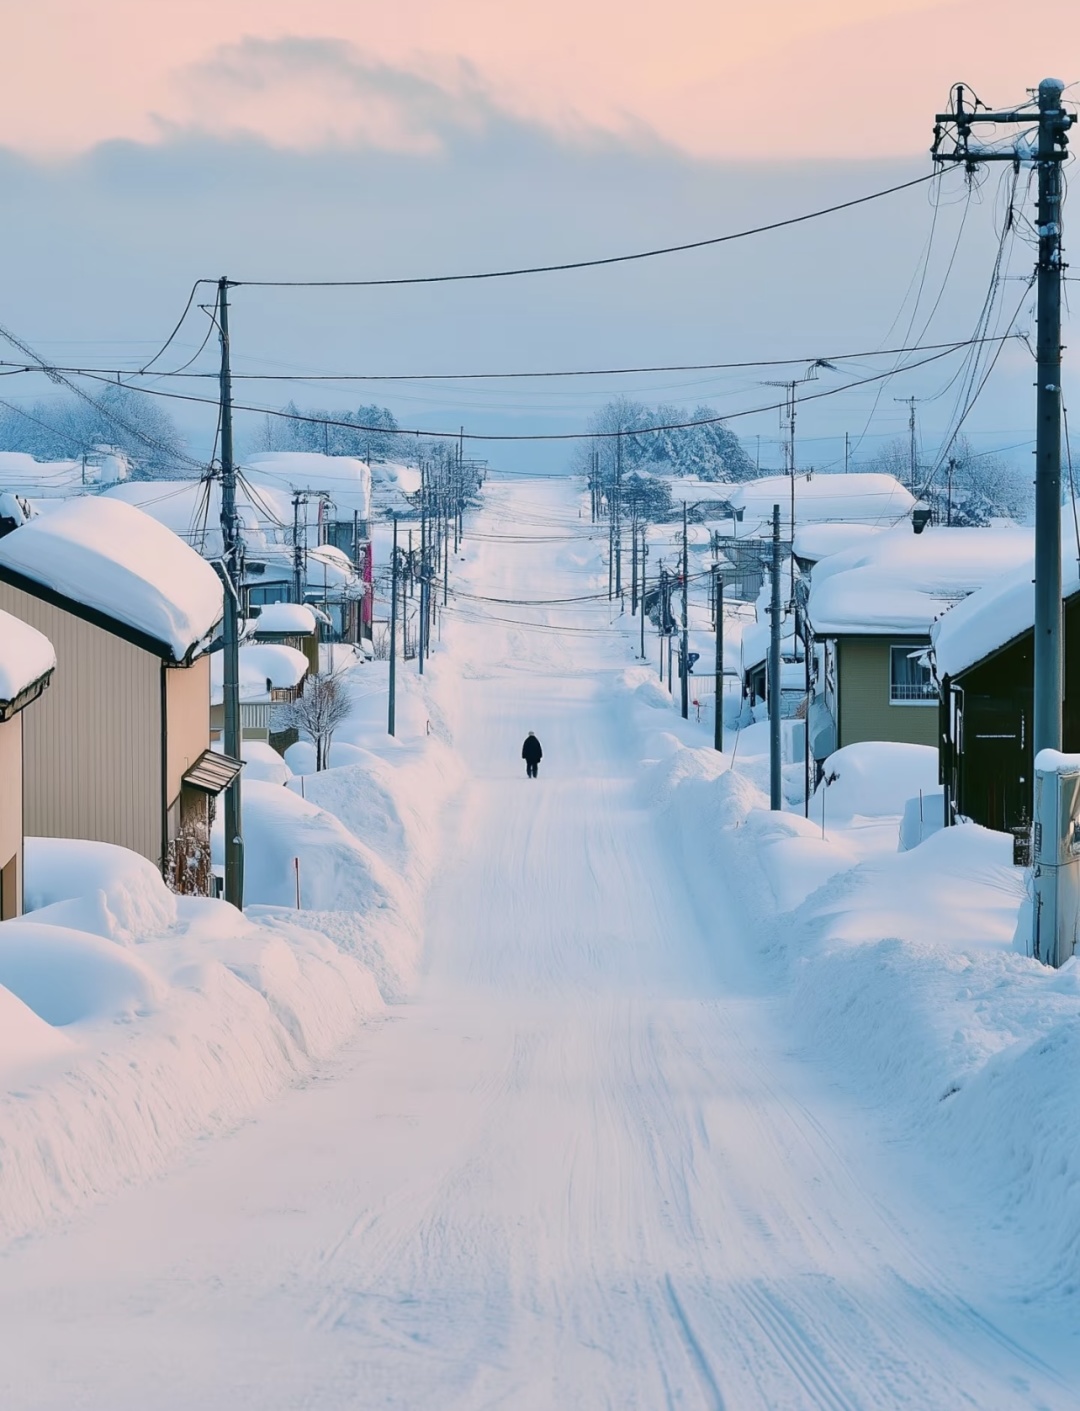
x,y
115,416
975,488
703,448
368,435
324,705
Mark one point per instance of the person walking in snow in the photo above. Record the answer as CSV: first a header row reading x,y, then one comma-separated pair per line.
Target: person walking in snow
x,y
532,754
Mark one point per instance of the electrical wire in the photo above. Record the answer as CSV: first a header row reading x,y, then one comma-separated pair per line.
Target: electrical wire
x,y
113,372
179,325
303,418
581,264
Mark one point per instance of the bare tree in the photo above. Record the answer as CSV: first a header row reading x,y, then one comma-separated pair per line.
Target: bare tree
x,y
318,712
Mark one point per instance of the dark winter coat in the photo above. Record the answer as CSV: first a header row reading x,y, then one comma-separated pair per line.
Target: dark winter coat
x,y
531,752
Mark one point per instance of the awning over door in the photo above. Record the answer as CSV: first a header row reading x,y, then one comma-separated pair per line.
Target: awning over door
x,y
212,772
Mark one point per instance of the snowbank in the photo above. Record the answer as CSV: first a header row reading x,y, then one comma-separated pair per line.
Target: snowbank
x,y
903,973
26,655
133,1022
114,558
68,977
96,887
262,762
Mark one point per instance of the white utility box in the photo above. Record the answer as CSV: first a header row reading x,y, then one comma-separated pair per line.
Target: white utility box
x,y
1055,856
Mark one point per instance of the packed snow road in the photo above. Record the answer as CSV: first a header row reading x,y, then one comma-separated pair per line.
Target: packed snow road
x,y
579,1171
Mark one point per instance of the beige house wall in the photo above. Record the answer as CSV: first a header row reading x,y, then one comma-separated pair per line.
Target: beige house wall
x,y
11,817
865,711
187,694
92,760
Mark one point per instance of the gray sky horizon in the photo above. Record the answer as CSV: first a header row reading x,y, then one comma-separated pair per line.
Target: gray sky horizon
x,y
102,247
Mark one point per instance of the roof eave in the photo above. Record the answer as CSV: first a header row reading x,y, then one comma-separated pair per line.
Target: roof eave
x,y
98,618
26,696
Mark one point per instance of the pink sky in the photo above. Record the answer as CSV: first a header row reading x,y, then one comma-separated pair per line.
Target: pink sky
x,y
771,78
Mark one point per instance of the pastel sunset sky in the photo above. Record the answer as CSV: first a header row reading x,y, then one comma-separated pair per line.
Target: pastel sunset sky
x,y
144,143
714,78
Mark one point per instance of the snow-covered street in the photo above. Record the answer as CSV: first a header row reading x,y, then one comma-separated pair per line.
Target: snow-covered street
x,y
584,1167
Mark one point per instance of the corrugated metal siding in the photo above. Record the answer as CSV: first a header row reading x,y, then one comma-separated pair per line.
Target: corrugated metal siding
x,y
863,692
11,812
92,758
188,712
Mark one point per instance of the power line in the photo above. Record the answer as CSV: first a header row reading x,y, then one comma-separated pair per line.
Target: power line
x,y
112,372
304,418
179,325
581,264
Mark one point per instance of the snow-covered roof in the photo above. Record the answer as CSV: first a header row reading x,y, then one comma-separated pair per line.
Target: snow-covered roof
x,y
192,510
814,542
26,655
345,479
47,480
329,566
295,619
847,499
999,612
110,557
900,582
754,645
260,662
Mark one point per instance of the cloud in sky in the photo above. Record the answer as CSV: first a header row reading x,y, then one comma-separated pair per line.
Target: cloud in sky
x,y
106,244
310,93
772,79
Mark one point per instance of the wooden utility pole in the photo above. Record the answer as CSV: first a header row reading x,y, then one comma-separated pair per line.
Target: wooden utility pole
x,y
685,652
230,539
391,708
776,800
644,555
718,606
618,515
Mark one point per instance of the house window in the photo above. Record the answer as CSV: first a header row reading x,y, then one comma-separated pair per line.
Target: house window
x,y
910,682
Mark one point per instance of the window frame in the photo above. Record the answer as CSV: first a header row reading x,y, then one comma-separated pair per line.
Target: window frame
x,y
909,649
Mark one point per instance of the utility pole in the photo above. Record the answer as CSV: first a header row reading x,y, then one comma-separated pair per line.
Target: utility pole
x,y
718,600
644,555
230,539
633,562
913,461
948,503
391,709
1054,123
618,515
1054,927
685,652
775,792
661,578
298,547
847,451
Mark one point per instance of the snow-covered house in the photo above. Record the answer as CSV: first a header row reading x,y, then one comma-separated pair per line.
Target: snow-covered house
x,y
27,661
270,674
871,609
291,625
21,474
983,657
863,498
119,749
338,489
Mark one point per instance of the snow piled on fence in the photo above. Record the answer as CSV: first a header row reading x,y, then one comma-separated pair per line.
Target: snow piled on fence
x,y
904,972
133,1021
